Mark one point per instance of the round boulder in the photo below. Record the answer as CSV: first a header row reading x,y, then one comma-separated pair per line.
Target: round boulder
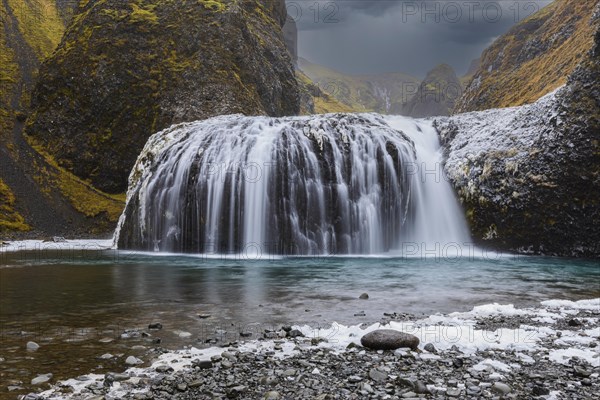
x,y
389,339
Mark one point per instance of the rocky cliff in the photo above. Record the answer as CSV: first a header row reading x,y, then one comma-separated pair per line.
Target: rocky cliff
x,y
37,197
529,176
125,70
436,95
532,59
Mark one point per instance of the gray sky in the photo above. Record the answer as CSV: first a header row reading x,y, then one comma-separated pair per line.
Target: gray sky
x,y
411,36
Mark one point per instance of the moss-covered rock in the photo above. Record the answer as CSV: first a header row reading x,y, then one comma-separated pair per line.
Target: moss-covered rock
x,y
10,219
126,69
532,59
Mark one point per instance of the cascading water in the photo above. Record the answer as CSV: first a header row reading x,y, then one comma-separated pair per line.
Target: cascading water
x,y
333,184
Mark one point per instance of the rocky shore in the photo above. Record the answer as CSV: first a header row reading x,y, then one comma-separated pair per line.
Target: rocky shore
x,y
494,351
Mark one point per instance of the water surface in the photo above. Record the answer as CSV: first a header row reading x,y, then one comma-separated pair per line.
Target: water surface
x,y
72,303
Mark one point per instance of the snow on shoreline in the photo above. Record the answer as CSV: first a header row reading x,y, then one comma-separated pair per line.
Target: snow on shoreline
x,y
42,245
542,331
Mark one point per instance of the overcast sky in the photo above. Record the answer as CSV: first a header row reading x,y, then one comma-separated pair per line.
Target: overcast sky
x,y
411,36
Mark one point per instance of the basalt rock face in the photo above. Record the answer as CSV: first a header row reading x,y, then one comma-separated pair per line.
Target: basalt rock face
x,y
529,176
125,70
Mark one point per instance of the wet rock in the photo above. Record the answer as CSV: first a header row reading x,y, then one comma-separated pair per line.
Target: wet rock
x,y
155,326
115,377
38,380
430,348
364,296
295,333
388,339
574,322
131,360
204,316
202,364
163,369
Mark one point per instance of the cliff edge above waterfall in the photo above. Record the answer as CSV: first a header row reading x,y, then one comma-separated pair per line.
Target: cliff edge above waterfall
x,y
529,177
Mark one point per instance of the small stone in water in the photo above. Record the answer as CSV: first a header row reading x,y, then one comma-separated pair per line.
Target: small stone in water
x,y
38,380
32,346
155,326
131,360
203,316
364,296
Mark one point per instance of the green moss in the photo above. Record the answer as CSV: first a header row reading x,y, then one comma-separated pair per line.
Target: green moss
x,y
39,23
143,14
83,196
213,5
10,219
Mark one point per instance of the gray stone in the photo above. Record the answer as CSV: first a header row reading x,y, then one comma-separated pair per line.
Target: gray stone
x,y
295,333
388,339
163,369
364,296
272,395
421,388
501,388
182,387
131,360
540,391
115,377
38,380
430,348
377,375
32,346
204,364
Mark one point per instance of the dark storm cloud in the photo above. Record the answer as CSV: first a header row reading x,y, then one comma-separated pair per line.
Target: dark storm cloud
x,y
372,36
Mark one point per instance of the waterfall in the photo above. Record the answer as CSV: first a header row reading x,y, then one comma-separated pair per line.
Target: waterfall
x,y
437,223
331,184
